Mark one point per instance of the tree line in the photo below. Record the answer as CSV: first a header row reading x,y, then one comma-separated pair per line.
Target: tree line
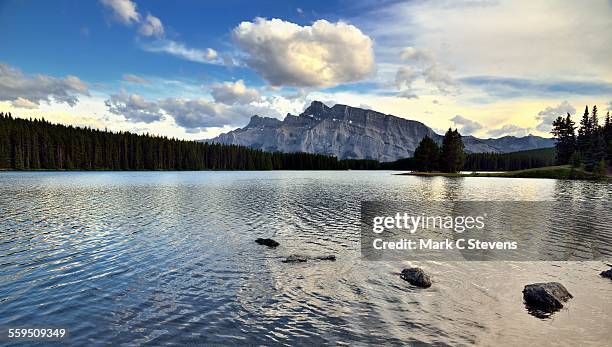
x,y
512,161
33,144
588,148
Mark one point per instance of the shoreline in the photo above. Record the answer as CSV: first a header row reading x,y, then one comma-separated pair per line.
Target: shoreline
x,y
563,172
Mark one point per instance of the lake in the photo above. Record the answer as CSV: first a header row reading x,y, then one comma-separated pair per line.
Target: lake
x,y
169,258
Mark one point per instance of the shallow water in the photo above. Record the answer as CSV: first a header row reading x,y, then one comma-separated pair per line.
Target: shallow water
x,y
169,258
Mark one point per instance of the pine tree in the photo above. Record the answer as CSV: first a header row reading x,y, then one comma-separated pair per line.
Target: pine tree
x,y
564,131
607,131
452,156
427,155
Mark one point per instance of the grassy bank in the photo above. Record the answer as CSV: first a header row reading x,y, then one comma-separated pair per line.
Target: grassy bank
x,y
554,172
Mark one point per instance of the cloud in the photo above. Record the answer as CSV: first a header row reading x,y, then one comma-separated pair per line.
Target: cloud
x,y
419,56
123,10
509,130
466,126
405,76
15,85
234,93
407,94
135,79
321,55
610,105
23,103
439,78
206,56
151,26
482,37
299,94
196,115
126,13
426,66
134,107
507,87
548,115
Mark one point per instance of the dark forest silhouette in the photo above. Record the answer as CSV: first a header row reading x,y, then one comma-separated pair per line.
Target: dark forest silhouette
x,y
38,144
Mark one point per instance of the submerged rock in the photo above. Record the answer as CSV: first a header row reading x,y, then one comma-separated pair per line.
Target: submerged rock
x,y
416,276
294,258
546,297
267,242
606,274
330,257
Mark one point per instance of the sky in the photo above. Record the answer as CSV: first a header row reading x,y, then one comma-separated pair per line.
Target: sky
x,y
194,69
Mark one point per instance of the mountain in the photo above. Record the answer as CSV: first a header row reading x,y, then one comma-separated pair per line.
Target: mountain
x,y
355,133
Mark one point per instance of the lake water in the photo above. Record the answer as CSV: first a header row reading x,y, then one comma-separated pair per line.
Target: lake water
x,y
169,258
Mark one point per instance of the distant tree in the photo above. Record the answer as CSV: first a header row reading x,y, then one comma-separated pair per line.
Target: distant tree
x,y
584,133
607,134
520,160
600,171
452,155
588,142
427,155
564,131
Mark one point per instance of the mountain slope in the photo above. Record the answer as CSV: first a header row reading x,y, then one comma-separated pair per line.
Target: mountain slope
x,y
355,133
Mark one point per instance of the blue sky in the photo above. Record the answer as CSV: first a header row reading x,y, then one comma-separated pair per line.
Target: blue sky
x,y
194,69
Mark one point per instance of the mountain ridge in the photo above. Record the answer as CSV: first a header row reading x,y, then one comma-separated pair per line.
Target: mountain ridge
x,y
354,133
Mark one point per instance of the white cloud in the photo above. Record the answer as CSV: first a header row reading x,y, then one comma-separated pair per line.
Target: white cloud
x,y
465,125
234,93
134,107
321,55
192,114
196,115
548,115
405,76
484,38
418,56
15,85
23,103
123,10
424,65
207,56
135,79
509,130
439,78
151,26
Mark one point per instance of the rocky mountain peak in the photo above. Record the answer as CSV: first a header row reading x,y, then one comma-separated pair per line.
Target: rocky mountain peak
x,y
354,133
257,121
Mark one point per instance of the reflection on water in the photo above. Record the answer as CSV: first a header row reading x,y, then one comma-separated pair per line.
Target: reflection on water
x,y
169,257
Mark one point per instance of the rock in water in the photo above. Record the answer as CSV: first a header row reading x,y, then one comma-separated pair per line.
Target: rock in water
x,y
547,297
327,257
294,258
416,276
607,274
267,242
